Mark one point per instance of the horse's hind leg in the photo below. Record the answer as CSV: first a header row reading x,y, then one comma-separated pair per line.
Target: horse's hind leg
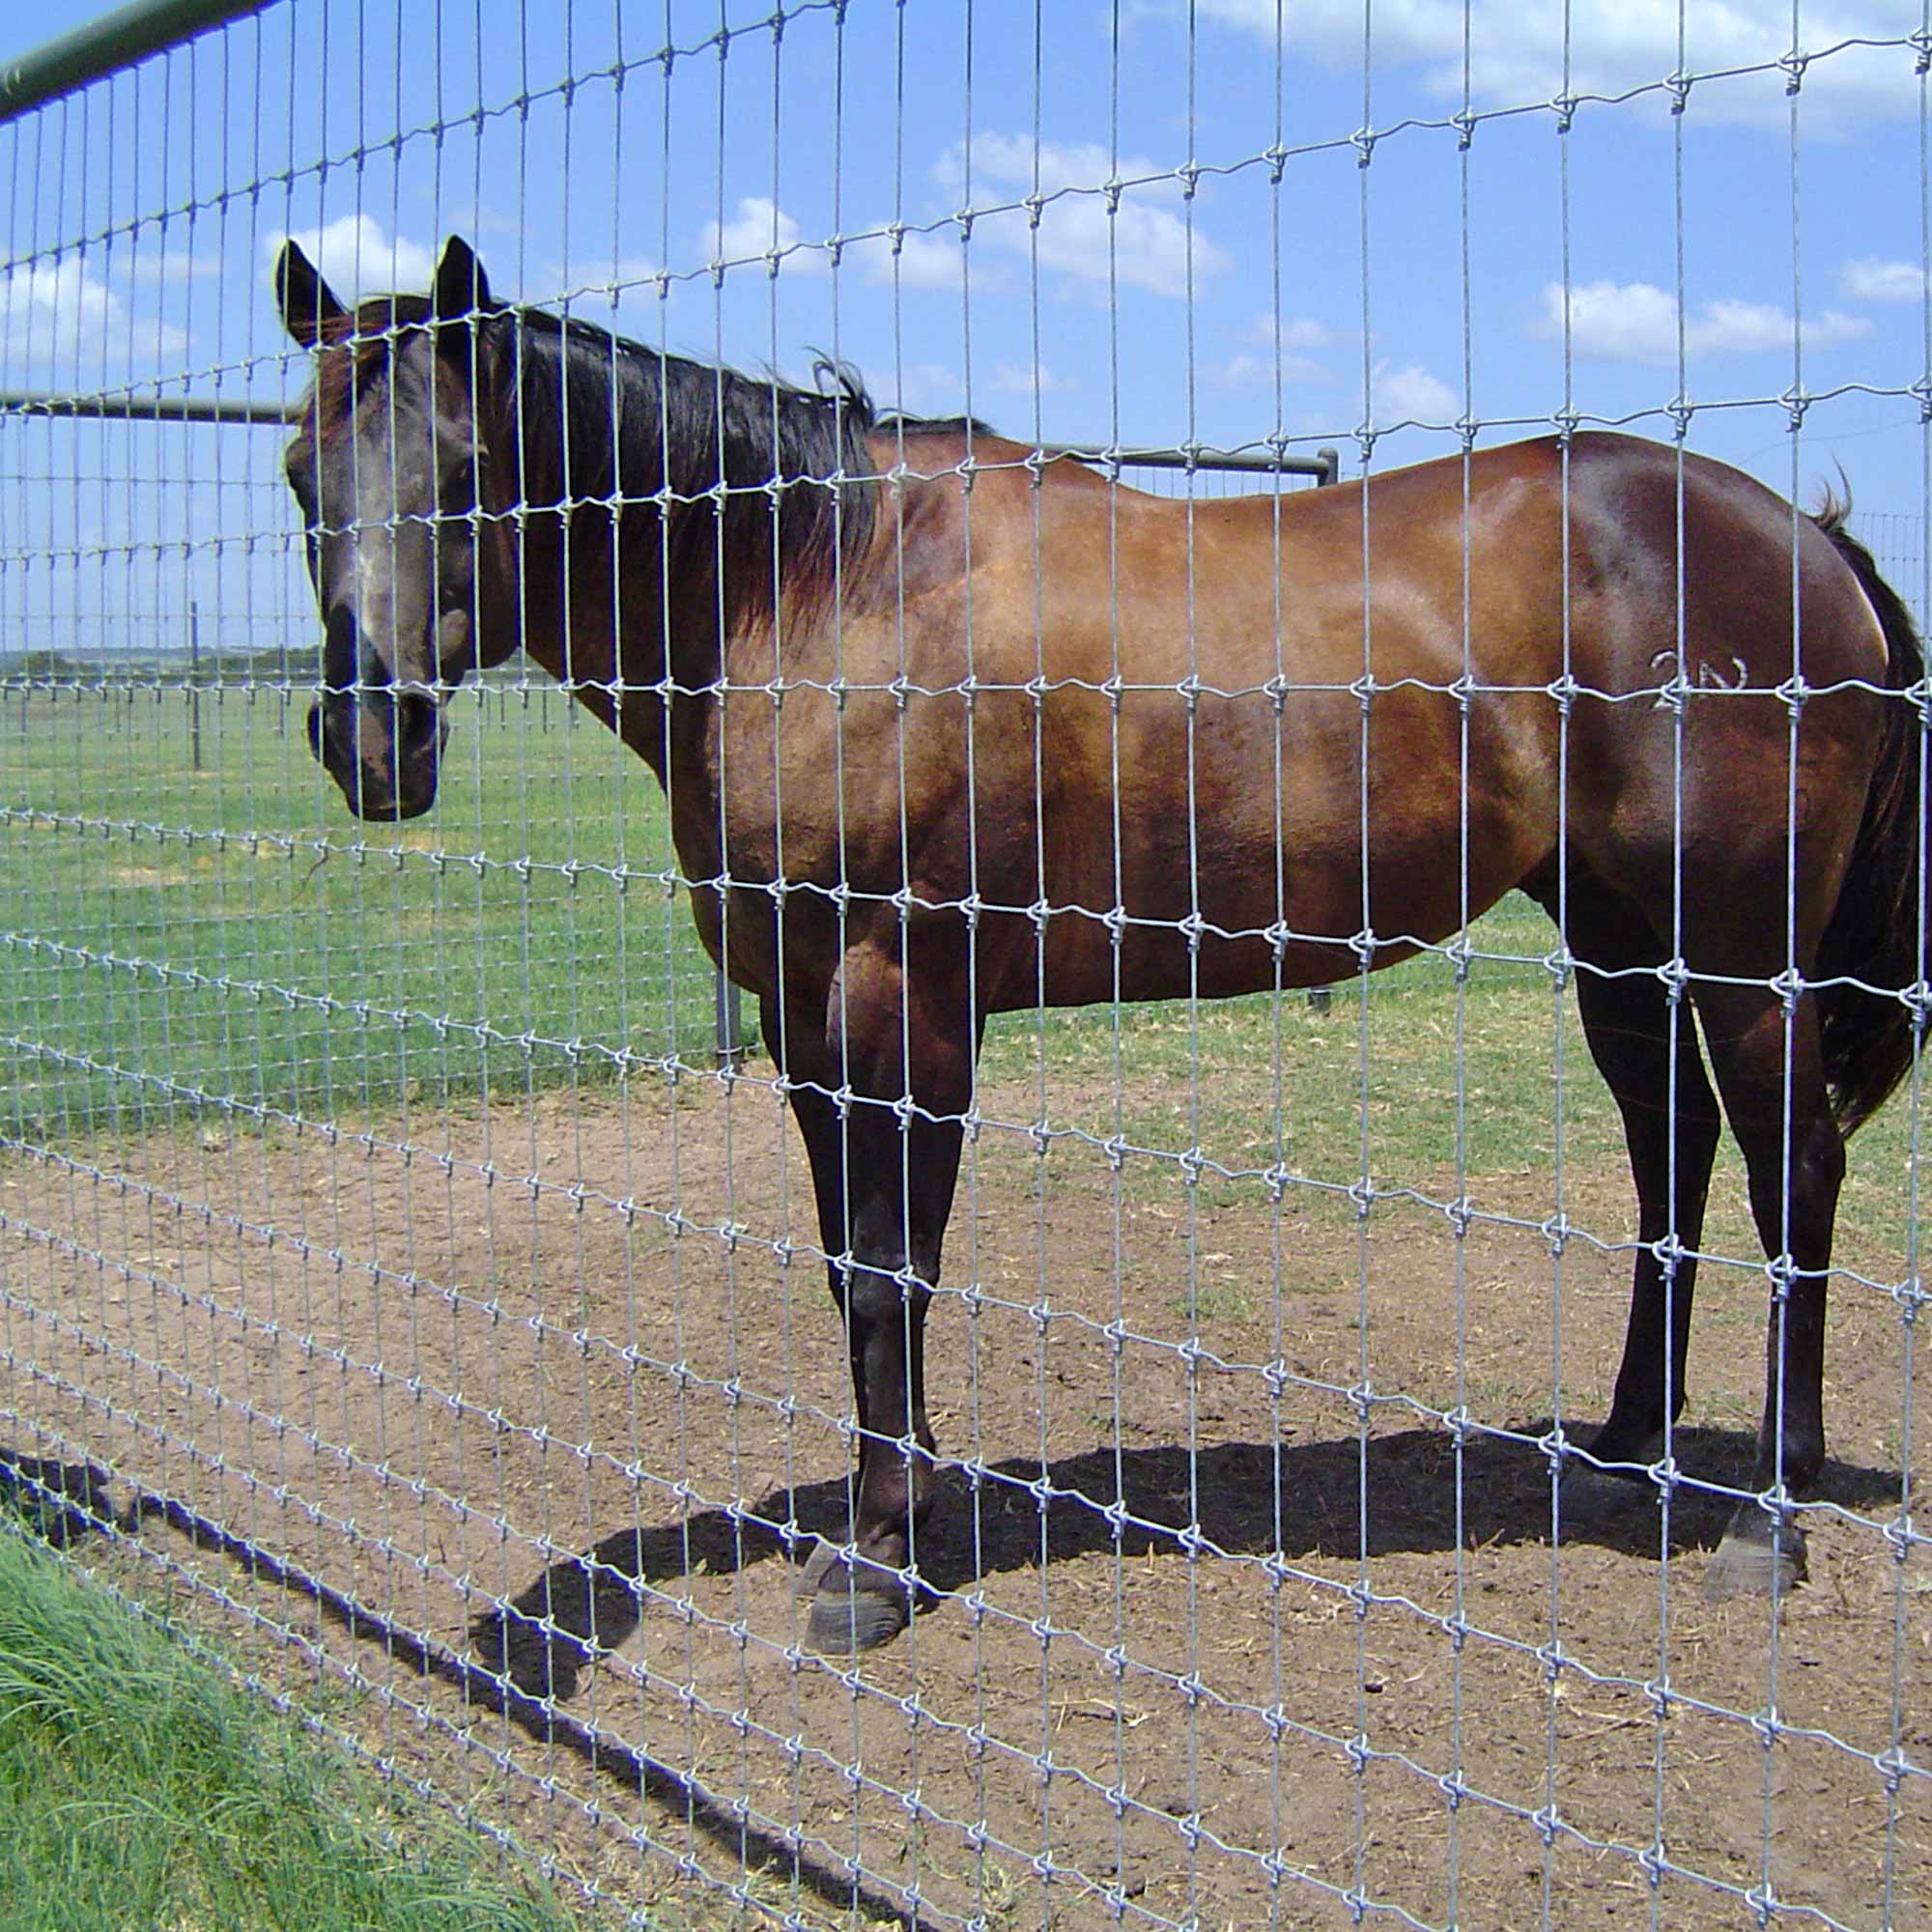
x,y
1670,1127
1770,1069
885,1158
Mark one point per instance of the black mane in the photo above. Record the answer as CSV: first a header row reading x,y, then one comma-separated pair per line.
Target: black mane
x,y
602,419
904,423
599,422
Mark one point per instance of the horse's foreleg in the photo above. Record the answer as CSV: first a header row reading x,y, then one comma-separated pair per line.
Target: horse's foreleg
x,y
884,1165
1794,1185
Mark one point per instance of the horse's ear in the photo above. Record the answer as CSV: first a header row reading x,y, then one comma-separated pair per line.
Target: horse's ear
x,y
307,302
461,290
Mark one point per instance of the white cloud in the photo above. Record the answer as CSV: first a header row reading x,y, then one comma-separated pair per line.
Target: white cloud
x,y
356,258
1144,243
453,211
919,388
1735,326
58,312
630,279
1023,378
169,265
1637,321
759,227
1296,331
1238,372
1868,278
1244,369
625,272
1517,51
1410,393
923,261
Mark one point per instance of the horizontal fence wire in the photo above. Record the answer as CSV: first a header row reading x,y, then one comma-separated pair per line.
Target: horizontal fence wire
x,y
648,662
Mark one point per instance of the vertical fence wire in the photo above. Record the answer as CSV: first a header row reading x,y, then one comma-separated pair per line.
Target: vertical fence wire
x,y
867,515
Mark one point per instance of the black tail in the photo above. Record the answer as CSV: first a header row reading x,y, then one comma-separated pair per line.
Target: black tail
x,y
1874,931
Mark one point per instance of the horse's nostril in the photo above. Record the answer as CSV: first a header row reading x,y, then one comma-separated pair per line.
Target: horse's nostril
x,y
314,729
418,720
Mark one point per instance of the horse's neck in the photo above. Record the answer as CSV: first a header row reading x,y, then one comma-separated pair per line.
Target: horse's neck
x,y
602,637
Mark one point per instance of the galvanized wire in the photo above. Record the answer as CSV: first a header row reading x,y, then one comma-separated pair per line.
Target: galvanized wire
x,y
269,1071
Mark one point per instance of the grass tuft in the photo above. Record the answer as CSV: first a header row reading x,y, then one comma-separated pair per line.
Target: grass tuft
x,y
140,1788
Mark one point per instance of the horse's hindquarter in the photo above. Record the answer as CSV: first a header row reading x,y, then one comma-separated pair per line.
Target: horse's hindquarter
x,y
1690,779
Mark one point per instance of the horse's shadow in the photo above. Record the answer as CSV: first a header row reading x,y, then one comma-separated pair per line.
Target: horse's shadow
x,y
1303,1499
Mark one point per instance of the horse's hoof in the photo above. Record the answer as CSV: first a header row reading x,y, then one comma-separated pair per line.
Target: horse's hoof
x,y
1757,1558
849,1616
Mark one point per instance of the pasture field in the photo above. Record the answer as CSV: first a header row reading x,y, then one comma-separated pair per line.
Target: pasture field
x,y
179,936
1251,1590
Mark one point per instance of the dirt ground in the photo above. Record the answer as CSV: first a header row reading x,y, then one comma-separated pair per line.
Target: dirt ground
x,y
1209,1644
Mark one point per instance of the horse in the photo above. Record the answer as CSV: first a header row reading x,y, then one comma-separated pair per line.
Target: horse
x,y
950,729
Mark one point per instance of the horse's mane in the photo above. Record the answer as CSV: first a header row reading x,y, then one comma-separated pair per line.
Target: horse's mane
x,y
902,422
604,418
600,420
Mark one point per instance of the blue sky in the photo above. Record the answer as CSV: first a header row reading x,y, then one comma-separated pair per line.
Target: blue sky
x,y
1430,284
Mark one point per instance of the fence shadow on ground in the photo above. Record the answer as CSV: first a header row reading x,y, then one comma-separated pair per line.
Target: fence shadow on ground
x,y
582,1605
66,1502
532,1652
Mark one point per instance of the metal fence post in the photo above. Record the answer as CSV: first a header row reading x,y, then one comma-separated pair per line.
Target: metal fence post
x,y
194,686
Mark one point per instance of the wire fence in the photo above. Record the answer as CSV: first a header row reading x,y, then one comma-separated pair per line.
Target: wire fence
x,y
1005,679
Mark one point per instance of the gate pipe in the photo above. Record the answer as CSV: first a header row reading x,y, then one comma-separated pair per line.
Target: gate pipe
x,y
115,40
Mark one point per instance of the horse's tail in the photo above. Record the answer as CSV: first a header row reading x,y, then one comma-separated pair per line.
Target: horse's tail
x,y
1873,935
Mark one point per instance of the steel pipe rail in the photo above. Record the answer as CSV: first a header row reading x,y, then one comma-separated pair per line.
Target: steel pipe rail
x,y
115,40
112,407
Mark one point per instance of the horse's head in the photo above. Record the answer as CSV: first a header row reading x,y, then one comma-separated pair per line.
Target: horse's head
x,y
411,568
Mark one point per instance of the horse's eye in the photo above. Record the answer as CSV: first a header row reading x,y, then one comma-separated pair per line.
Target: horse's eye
x,y
456,479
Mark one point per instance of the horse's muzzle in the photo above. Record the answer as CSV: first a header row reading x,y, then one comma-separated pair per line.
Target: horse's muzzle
x,y
383,749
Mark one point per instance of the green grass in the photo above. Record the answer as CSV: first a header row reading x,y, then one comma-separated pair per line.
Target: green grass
x,y
230,931
1388,1076
1402,1071
141,1788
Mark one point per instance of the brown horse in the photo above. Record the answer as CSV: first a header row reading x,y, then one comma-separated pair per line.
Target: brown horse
x,y
949,730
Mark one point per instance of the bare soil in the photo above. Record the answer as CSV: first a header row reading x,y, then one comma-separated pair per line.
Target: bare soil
x,y
1226,1632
